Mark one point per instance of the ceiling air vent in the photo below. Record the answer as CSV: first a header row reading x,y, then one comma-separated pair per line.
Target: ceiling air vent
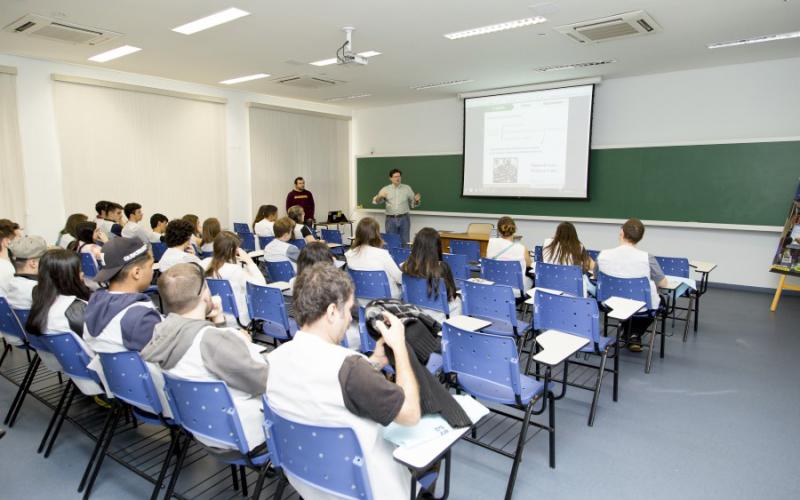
x,y
611,28
50,29
306,81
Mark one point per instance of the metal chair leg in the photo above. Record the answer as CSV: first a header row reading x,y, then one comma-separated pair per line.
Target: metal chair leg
x,y
184,448
55,416
593,409
6,350
688,318
552,431
235,477
262,474
102,454
243,479
281,486
173,439
663,347
16,405
100,439
616,371
512,478
64,413
649,362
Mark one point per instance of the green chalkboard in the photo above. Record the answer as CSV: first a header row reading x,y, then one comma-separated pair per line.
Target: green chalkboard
x,y
746,183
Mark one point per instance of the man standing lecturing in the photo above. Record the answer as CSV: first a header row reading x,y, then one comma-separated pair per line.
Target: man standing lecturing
x,y
302,197
399,199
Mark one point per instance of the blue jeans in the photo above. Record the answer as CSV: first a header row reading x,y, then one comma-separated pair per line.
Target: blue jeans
x,y
399,225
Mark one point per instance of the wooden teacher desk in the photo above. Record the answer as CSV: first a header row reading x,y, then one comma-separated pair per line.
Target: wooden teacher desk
x,y
482,239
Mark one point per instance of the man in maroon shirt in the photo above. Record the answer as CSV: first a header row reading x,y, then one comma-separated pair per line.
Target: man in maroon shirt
x,y
299,196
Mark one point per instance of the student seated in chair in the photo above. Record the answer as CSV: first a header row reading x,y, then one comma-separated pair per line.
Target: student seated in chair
x,y
265,219
316,381
233,264
158,224
122,317
114,216
565,249
426,262
25,252
134,228
367,254
505,248
211,228
627,261
8,233
178,238
68,236
279,249
301,230
193,343
90,239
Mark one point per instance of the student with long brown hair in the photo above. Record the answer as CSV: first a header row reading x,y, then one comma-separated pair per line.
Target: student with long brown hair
x,y
367,254
426,262
566,249
233,264
211,229
265,219
70,231
195,222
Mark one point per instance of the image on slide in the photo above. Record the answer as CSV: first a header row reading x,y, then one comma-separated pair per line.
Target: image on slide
x,y
505,171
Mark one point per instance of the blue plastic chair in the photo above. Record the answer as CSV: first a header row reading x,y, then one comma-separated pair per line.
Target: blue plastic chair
x,y
392,240
248,241
158,250
493,303
129,381
266,303
503,272
593,254
415,291
470,248
459,265
241,227
399,254
280,271
487,367
371,284
634,289
263,241
332,236
300,243
674,266
223,289
581,317
537,254
88,265
679,267
327,458
205,409
74,359
567,279
12,326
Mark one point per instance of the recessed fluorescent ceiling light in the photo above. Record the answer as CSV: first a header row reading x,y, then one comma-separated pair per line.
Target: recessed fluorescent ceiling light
x,y
493,28
348,97
756,39
114,53
576,65
440,84
333,60
204,23
244,78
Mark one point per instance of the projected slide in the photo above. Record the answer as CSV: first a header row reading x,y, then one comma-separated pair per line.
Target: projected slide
x,y
529,144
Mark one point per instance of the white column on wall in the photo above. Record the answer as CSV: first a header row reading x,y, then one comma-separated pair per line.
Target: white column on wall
x,y
285,145
12,181
166,151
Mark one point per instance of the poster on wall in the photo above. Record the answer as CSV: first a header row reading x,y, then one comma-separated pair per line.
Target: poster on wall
x,y
787,257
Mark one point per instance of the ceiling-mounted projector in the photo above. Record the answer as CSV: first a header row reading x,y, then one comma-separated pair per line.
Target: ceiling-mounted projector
x,y
345,54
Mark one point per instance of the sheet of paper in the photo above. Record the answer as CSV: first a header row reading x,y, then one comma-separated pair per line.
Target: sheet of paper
x,y
481,281
256,253
334,245
467,322
623,309
282,285
532,291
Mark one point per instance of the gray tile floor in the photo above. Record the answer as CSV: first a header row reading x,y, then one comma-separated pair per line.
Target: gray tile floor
x,y
717,418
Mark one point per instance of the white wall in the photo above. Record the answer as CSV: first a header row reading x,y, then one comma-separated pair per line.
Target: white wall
x,y
40,148
741,103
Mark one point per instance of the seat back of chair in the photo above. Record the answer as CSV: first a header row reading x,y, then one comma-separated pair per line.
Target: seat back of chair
x,y
400,254
674,266
537,255
483,228
593,254
491,302
223,289
503,272
34,341
241,227
206,409
247,241
266,303
626,288
415,291
470,248
391,240
459,265
327,458
158,250
332,236
482,356
280,271
88,265
300,243
371,284
567,279
367,343
575,315
72,355
263,241
9,323
129,380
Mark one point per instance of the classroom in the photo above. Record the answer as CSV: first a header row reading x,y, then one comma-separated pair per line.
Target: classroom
x,y
454,249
